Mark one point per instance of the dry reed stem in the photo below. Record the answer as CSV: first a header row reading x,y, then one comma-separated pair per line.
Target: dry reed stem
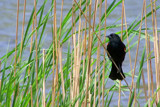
x,y
150,65
71,83
61,22
94,18
95,87
60,54
53,79
122,15
16,40
90,79
155,51
98,54
127,35
35,19
81,43
74,55
78,60
43,97
119,99
123,12
104,59
144,86
71,73
74,65
57,52
24,10
89,55
137,48
61,71
85,41
146,39
79,63
21,45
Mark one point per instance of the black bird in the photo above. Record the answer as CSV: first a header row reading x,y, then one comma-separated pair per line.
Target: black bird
x,y
116,49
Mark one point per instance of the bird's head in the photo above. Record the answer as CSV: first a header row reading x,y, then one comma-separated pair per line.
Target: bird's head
x,y
113,36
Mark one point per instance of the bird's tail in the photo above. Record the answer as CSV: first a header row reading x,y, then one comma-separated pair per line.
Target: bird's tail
x,y
115,74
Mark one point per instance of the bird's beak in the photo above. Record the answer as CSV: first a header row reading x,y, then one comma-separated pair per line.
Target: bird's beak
x,y
108,36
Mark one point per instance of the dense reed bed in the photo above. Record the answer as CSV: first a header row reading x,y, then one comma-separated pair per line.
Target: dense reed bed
x,y
80,73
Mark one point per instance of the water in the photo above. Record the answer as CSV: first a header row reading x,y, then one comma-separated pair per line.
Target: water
x,y
8,29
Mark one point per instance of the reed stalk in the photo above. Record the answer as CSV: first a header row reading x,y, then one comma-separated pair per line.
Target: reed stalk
x,y
137,50
61,71
36,39
146,39
24,11
85,41
89,55
123,9
53,65
104,59
144,86
72,56
155,45
95,86
150,65
122,16
98,55
16,40
71,81
90,80
78,59
56,51
157,52
60,52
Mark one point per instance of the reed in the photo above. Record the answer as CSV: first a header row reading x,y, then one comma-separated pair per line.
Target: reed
x,y
73,62
89,55
36,48
146,41
104,60
98,55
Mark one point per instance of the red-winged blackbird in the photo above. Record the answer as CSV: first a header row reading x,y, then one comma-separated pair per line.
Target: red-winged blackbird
x,y
116,49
